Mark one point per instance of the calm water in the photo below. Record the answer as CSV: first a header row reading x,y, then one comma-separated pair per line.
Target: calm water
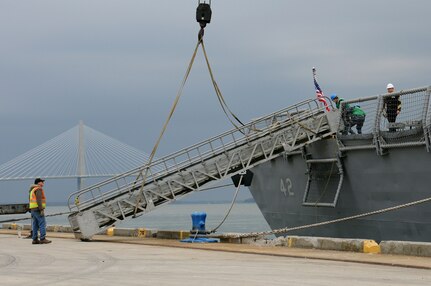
x,y
243,217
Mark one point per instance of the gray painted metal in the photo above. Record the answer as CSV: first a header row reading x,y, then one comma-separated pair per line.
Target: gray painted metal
x,y
381,169
81,154
315,164
187,170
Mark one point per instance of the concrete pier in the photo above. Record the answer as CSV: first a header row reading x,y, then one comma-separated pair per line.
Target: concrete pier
x,y
111,260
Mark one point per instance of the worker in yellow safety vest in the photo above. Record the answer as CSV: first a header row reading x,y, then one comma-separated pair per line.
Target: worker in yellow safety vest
x,y
37,207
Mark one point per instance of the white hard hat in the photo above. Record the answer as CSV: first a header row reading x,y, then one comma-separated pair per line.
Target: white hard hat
x,y
390,85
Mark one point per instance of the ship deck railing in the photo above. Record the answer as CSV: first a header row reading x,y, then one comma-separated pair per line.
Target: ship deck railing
x,y
411,128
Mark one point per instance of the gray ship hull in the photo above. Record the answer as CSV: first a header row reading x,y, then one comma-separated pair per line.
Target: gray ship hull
x,y
371,182
350,175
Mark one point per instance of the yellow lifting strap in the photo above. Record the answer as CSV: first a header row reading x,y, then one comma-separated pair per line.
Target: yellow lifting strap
x,y
174,105
171,112
218,92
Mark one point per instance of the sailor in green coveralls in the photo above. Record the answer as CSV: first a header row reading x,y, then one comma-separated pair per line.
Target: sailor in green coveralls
x,y
352,115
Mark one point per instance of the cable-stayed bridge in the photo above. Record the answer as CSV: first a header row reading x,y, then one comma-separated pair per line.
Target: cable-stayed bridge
x,y
80,152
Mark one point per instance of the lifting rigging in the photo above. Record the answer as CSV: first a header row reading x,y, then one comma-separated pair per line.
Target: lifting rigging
x,y
203,17
188,170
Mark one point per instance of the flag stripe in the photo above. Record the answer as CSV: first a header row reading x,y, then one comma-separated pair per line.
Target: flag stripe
x,y
320,95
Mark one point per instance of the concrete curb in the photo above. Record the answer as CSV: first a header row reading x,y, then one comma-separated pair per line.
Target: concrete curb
x,y
147,233
322,243
339,244
406,248
355,245
112,231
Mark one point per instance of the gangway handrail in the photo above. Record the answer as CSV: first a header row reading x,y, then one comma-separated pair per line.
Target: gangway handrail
x,y
183,151
137,169
246,133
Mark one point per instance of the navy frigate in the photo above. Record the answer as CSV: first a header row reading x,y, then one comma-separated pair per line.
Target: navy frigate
x,y
307,168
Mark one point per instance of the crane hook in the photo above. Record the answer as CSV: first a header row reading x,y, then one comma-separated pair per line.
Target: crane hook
x,y
203,16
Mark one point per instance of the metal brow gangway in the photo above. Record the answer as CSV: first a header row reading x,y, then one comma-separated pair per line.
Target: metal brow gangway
x,y
169,178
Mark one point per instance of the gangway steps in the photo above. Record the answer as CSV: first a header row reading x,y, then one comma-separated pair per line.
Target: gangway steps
x,y
189,169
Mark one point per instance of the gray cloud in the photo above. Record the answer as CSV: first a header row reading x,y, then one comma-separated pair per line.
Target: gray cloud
x,y
118,64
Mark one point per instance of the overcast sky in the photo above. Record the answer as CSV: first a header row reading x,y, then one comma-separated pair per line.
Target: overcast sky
x,y
117,65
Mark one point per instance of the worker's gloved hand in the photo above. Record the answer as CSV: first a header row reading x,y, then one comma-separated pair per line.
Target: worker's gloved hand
x,y
42,212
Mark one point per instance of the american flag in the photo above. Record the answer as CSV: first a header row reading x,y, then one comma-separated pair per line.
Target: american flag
x,y
319,92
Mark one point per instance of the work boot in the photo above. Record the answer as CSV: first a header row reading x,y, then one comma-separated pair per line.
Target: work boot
x,y
45,241
35,241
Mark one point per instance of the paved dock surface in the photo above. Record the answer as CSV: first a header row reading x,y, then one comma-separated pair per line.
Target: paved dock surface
x,y
111,261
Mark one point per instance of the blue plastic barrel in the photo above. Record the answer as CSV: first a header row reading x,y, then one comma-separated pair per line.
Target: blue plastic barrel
x,y
198,221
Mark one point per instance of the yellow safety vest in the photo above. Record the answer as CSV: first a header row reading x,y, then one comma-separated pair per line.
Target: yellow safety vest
x,y
33,200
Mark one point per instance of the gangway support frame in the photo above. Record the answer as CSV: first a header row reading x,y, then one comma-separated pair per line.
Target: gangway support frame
x,y
188,170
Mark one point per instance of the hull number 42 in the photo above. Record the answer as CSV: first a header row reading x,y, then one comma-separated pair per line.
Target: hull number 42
x,y
286,187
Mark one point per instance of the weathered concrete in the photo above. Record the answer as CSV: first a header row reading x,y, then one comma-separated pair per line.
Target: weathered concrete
x,y
135,232
325,243
406,248
345,256
172,234
121,261
58,228
355,245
